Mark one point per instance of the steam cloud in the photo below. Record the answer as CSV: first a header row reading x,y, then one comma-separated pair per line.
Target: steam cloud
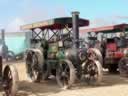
x,y
33,13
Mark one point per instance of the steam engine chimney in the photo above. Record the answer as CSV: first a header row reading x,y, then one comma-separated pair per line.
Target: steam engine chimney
x,y
75,24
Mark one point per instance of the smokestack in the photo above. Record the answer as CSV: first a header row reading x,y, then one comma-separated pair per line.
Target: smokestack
x,y
3,35
75,24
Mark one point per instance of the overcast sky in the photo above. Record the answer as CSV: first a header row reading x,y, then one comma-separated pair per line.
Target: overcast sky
x,y
100,12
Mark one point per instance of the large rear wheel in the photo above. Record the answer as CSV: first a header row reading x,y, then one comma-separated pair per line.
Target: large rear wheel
x,y
92,72
10,80
65,74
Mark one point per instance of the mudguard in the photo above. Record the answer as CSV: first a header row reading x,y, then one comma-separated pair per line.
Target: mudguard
x,y
97,53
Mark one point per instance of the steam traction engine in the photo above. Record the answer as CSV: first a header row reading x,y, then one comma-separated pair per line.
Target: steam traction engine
x,y
56,52
8,72
113,46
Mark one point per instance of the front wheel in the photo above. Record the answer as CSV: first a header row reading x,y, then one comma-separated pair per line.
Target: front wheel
x,y
92,72
33,68
65,74
123,67
10,80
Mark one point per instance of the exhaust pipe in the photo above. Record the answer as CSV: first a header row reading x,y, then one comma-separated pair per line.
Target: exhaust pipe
x,y
75,25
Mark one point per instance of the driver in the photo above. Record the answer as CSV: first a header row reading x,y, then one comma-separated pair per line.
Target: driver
x,y
44,45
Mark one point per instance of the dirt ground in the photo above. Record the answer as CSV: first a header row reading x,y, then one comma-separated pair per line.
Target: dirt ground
x,y
112,85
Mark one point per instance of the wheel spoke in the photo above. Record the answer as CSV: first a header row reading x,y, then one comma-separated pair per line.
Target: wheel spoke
x,y
64,74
